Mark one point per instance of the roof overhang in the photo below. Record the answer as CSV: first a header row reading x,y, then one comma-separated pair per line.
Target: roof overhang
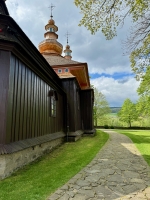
x,y
80,71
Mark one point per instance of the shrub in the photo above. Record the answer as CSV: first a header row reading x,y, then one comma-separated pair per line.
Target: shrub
x,y
112,127
106,126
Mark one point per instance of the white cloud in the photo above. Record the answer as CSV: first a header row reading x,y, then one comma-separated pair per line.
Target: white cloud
x,y
117,91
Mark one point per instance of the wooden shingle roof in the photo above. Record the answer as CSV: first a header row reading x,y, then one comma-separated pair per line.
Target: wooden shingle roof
x,y
58,60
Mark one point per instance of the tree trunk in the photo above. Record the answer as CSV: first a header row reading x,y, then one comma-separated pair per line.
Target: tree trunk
x,y
96,121
129,123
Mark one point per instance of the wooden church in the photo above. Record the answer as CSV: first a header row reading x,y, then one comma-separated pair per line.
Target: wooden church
x,y
45,98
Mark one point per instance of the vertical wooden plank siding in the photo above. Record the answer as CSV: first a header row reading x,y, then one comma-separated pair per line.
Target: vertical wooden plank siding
x,y
75,103
74,114
22,101
29,103
34,106
87,109
13,93
71,101
25,105
10,102
18,102
78,111
4,81
28,113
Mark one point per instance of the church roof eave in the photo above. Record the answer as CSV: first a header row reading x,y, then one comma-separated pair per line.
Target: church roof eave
x,y
80,71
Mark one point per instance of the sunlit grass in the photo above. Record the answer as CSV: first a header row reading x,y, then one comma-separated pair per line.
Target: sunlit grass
x,y
141,138
39,179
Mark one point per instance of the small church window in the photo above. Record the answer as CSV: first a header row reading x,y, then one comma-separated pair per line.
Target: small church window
x,y
53,102
68,53
51,30
66,70
59,70
53,106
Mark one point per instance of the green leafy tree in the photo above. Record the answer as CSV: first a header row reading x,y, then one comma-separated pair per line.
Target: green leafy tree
x,y
140,59
101,106
128,112
144,88
143,106
143,109
108,14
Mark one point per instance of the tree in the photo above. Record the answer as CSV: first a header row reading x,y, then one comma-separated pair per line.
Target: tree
x,y
139,34
101,106
108,14
140,59
128,112
143,106
144,88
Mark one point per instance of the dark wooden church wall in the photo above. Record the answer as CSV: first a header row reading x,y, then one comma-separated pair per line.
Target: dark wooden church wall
x,y
74,115
28,113
4,80
68,88
78,122
87,109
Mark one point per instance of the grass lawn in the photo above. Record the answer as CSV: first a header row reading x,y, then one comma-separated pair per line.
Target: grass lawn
x,y
39,179
141,139
112,115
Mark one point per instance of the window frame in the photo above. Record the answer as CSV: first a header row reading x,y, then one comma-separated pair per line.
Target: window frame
x,y
68,53
51,29
53,102
59,70
53,106
66,70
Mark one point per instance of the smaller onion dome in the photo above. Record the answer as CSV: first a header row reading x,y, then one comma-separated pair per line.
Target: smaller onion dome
x,y
67,46
67,52
51,22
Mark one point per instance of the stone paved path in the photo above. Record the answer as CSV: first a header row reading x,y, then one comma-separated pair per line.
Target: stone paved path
x,y
117,172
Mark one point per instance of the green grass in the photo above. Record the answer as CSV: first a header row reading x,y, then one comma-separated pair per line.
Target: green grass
x,y
39,179
141,138
112,115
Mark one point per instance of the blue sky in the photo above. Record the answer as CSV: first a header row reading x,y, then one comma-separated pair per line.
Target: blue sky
x,y
109,69
115,75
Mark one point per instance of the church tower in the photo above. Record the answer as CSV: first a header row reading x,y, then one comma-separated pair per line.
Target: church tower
x,y
67,51
50,45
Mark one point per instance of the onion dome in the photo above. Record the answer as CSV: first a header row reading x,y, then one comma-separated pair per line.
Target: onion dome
x,y
50,45
67,52
51,22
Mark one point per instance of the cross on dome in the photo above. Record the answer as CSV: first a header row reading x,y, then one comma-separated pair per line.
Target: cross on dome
x,y
51,7
67,35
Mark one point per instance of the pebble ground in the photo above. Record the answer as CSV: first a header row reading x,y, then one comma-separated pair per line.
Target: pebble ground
x,y
117,172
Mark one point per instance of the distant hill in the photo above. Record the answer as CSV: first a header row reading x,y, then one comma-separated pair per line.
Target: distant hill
x,y
115,109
